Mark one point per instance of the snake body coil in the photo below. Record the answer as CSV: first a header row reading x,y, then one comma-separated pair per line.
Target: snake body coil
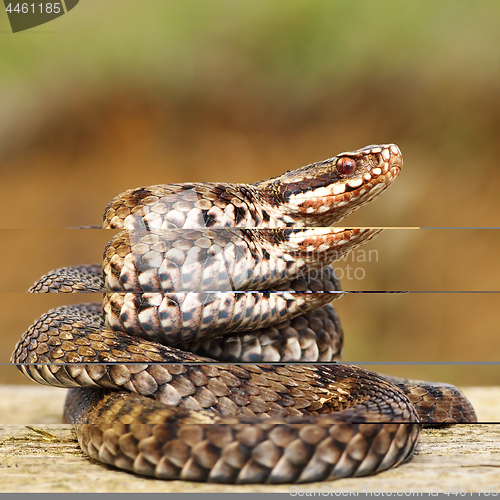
x,y
226,271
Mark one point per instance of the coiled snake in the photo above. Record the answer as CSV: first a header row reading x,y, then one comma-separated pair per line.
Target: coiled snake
x,y
226,271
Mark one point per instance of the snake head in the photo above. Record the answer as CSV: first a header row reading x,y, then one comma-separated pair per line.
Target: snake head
x,y
325,192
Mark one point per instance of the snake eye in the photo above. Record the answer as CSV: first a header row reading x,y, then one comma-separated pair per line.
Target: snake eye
x,y
346,166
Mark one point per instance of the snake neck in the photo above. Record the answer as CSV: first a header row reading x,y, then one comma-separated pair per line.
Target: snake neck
x,y
323,193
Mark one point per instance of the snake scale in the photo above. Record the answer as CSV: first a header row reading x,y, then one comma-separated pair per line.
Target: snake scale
x,y
235,273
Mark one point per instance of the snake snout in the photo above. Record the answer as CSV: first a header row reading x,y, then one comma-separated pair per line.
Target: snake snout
x,y
395,157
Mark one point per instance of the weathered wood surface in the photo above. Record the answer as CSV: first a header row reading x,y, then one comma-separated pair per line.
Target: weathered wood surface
x,y
38,454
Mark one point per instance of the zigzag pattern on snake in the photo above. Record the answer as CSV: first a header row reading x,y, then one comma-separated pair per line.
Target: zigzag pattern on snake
x,y
239,273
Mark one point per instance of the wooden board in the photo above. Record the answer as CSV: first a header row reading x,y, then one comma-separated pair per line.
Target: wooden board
x,y
38,454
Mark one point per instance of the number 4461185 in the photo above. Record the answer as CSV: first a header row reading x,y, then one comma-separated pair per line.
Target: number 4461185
x,y
25,8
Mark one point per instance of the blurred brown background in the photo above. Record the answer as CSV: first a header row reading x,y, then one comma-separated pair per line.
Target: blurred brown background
x,y
123,93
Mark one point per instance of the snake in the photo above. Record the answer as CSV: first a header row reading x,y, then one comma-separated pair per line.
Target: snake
x,y
216,298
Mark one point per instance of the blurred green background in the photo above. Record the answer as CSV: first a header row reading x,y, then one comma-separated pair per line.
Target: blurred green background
x,y
122,93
